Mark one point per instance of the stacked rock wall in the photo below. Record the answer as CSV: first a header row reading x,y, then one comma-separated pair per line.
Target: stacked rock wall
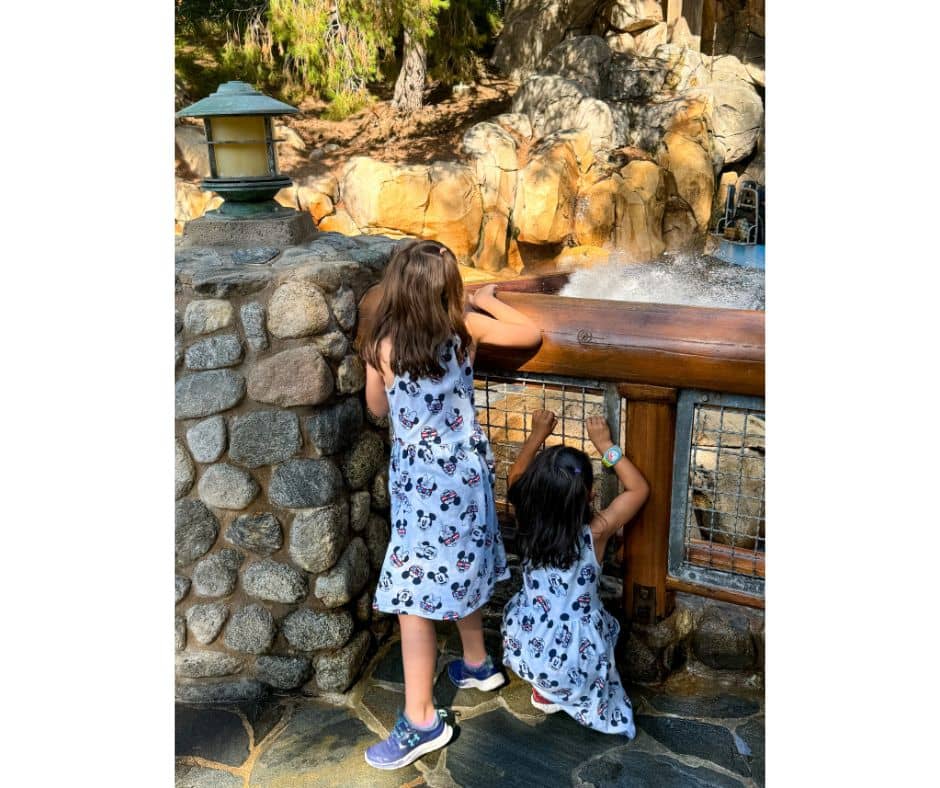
x,y
281,480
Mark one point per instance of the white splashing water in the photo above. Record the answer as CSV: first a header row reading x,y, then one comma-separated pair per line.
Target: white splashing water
x,y
691,279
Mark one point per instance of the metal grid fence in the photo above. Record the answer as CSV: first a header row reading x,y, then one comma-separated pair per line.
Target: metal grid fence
x,y
717,529
505,404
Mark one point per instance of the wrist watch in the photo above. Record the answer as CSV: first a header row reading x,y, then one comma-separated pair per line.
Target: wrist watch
x,y
611,456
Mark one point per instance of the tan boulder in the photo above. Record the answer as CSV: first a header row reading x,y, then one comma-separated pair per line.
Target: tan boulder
x,y
681,35
649,39
316,203
546,189
192,202
491,151
634,15
454,210
191,149
377,194
595,213
338,222
640,209
691,165
680,228
287,197
493,251
620,42
728,495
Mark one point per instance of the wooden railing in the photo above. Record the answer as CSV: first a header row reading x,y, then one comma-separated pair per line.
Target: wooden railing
x,y
650,351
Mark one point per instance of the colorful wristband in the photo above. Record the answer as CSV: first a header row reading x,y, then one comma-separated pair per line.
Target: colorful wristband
x,y
611,456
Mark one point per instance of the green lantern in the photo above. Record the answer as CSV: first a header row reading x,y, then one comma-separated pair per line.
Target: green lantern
x,y
242,156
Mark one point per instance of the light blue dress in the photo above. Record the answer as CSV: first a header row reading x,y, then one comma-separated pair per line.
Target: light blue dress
x,y
559,638
445,551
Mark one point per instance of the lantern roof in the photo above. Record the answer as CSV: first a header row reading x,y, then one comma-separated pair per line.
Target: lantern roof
x,y
236,98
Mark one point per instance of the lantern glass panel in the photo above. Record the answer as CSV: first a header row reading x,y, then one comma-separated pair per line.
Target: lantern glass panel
x,y
240,147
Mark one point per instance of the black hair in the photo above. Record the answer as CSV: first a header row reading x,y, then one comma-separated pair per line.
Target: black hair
x,y
552,500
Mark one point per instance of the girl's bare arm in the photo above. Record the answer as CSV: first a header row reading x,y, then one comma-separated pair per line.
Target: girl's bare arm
x,y
625,506
543,422
376,396
502,326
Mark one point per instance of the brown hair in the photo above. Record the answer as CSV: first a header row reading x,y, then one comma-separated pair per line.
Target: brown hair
x,y
421,307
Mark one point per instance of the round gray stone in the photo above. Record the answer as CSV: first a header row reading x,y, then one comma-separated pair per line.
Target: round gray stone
x,y
196,530
274,582
264,437
347,578
185,471
351,375
311,630
207,315
343,305
297,309
250,630
253,319
180,632
359,503
337,671
216,574
205,621
182,587
362,461
206,439
377,535
260,533
224,486
230,281
299,376
303,484
220,691
206,664
318,536
380,499
333,345
224,350
205,393
722,640
282,672
333,428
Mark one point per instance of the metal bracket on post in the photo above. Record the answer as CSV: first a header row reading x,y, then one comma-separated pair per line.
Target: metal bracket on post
x,y
644,604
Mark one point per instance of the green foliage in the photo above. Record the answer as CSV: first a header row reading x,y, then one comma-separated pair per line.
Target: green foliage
x,y
332,47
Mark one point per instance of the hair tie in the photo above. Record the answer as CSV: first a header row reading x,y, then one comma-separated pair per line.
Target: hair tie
x,y
577,469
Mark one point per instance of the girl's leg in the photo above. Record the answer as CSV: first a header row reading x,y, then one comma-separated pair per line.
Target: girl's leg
x,y
471,636
419,657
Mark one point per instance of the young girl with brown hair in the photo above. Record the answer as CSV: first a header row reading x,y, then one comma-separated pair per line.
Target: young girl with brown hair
x,y
445,552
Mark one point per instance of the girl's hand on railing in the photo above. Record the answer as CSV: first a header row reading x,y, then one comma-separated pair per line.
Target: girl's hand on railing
x,y
599,433
543,422
480,297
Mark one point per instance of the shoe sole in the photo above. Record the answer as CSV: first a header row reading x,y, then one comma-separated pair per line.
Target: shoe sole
x,y
417,752
494,681
547,708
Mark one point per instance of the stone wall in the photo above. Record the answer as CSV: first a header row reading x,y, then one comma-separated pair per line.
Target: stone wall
x,y
281,480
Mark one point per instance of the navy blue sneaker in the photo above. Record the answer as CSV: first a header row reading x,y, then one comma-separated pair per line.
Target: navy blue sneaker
x,y
486,677
406,744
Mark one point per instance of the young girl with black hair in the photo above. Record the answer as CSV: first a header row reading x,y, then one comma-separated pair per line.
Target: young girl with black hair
x,y
556,634
445,551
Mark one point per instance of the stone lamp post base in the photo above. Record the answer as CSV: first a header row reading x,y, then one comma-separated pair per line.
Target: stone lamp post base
x,y
281,228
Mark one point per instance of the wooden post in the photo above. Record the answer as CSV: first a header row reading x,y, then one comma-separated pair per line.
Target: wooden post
x,y
650,434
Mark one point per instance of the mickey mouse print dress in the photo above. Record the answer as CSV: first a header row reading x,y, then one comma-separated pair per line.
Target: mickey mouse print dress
x,y
558,637
445,551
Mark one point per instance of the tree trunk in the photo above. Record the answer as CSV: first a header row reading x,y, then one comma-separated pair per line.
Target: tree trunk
x,y
409,87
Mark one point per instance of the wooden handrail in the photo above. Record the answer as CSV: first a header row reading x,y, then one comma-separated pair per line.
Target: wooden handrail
x,y
658,344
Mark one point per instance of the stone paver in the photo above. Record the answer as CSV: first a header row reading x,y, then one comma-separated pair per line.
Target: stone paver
x,y
214,734
689,733
322,746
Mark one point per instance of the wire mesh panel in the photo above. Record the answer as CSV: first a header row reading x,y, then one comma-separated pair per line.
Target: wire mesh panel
x,y
505,405
717,524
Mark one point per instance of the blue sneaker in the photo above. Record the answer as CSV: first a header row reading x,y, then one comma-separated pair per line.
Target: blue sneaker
x,y
406,744
486,677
